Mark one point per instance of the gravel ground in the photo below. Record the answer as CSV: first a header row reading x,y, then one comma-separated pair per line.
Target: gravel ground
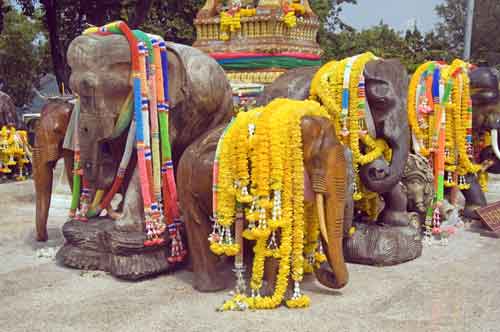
x,y
450,288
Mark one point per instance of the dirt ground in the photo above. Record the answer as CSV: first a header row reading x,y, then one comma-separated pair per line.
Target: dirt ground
x,y
450,288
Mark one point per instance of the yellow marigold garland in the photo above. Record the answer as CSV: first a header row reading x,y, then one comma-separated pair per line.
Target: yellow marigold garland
x,y
271,138
333,81
458,146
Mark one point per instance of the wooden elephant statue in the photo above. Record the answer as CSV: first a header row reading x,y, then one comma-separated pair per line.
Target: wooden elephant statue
x,y
485,97
48,149
385,88
325,165
106,75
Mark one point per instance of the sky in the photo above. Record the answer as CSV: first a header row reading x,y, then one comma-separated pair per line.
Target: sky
x,y
399,14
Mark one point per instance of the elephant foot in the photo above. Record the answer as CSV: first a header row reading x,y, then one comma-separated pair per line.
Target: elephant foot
x,y
42,236
469,211
210,281
382,245
394,218
97,245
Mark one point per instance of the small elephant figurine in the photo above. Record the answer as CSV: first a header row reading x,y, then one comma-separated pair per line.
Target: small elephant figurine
x,y
48,149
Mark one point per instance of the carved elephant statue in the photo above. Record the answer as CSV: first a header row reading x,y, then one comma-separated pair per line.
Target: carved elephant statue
x,y
386,90
200,99
485,97
48,149
323,157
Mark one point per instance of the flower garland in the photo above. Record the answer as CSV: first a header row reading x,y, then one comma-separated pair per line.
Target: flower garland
x,y
291,10
440,117
340,87
230,21
14,151
259,167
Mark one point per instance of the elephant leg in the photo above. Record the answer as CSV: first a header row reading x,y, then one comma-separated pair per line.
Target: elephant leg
x,y
194,185
68,166
207,277
474,197
271,269
394,212
42,176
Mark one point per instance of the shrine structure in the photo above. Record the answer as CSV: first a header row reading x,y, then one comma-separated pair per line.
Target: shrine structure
x,y
257,41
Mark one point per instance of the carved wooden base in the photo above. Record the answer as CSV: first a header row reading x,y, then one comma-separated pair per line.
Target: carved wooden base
x,y
383,245
97,245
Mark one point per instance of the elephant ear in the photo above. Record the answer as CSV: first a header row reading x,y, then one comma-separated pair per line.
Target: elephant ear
x,y
177,76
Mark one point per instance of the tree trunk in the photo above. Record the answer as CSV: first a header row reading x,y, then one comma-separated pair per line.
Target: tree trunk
x,y
2,12
58,57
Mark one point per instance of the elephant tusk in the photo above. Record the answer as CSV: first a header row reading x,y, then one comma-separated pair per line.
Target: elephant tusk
x,y
320,204
494,142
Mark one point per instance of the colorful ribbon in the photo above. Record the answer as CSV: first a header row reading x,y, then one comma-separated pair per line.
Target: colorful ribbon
x,y
146,110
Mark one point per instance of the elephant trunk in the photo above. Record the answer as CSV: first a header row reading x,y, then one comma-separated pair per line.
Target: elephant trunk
x,y
400,147
331,186
42,175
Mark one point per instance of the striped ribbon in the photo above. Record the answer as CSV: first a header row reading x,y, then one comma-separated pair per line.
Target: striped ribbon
x,y
146,110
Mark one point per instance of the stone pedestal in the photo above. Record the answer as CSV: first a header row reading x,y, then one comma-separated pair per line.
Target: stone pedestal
x,y
380,245
97,245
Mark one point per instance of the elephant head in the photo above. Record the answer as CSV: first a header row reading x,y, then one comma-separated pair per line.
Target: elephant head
x,y
386,88
485,97
101,76
49,136
325,163
418,184
7,111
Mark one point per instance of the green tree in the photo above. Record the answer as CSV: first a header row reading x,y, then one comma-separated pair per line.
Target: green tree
x,y
22,48
485,40
4,8
412,48
66,19
173,20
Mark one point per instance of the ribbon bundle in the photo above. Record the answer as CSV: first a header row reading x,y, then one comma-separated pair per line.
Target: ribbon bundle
x,y
440,117
145,113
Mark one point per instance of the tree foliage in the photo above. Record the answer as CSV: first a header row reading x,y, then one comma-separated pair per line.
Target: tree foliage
x,y
485,40
23,55
66,19
410,47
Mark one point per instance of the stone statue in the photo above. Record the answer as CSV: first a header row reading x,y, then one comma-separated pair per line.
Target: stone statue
x,y
418,184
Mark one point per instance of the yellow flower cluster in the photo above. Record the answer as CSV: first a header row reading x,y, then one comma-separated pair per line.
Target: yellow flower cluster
x,y
298,8
231,22
332,84
272,193
290,19
14,151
